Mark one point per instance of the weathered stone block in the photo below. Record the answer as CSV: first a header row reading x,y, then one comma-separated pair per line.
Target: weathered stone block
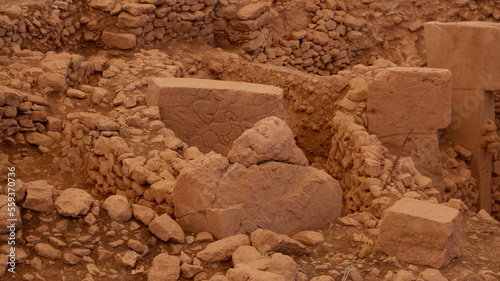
x,y
211,114
118,41
287,198
105,5
466,49
405,98
421,232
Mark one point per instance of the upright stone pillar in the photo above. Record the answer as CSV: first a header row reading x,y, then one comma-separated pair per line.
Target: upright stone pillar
x,y
470,51
417,100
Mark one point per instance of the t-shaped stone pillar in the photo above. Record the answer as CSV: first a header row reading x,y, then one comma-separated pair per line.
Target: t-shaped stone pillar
x,y
417,100
470,51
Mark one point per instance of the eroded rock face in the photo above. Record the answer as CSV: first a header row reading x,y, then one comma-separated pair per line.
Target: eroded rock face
x,y
225,199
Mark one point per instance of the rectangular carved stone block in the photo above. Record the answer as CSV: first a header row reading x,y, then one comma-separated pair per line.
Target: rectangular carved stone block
x,y
211,114
405,98
468,49
420,232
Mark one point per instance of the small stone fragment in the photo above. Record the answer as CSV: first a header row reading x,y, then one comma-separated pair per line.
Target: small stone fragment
x,y
165,228
222,250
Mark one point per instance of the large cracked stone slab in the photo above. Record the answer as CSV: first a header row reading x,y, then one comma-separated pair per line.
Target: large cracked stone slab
x,y
211,195
211,114
421,232
467,49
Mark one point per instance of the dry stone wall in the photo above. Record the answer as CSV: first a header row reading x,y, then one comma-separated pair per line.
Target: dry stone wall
x,y
144,174
321,45
69,24
24,91
370,177
42,26
457,177
320,36
151,23
348,163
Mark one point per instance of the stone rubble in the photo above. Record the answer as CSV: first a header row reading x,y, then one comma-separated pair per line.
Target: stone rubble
x,y
88,116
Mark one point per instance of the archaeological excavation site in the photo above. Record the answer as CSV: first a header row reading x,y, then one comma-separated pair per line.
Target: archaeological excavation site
x,y
250,140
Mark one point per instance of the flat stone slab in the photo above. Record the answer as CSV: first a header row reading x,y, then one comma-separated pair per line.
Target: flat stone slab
x,y
420,232
468,49
211,114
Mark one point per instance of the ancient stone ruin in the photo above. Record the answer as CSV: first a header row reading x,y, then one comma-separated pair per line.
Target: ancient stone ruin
x,y
255,140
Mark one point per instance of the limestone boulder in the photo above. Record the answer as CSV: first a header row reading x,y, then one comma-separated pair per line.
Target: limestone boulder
x,y
211,195
245,255
118,208
73,202
137,9
143,214
40,196
251,11
223,249
104,5
277,242
160,189
165,228
310,238
48,251
420,232
55,81
39,139
268,140
165,268
285,266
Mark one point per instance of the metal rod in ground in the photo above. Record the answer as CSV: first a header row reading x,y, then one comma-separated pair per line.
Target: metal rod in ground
x,y
346,274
